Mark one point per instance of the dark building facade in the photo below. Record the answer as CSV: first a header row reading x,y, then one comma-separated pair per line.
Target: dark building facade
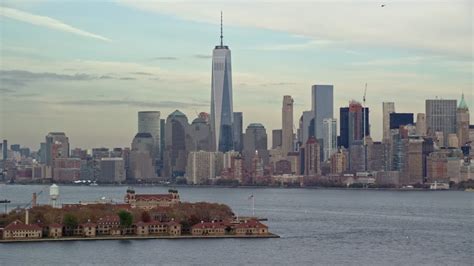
x,y
400,119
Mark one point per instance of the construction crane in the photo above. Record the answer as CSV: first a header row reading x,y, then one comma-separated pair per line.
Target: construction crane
x,y
33,199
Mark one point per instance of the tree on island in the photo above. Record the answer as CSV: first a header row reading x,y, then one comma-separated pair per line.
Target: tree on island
x,y
126,219
70,222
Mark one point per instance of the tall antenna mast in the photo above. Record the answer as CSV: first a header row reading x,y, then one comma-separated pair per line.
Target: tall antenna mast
x,y
222,37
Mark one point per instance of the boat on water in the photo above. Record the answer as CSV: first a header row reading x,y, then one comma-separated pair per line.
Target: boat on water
x,y
439,186
469,190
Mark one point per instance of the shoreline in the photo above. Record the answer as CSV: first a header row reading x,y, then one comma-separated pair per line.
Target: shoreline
x,y
236,187
100,238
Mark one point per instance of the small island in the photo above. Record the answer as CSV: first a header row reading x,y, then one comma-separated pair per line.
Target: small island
x,y
140,216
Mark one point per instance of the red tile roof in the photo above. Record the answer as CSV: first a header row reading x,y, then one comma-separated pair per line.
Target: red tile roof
x,y
150,197
109,219
19,225
55,225
88,225
251,224
208,225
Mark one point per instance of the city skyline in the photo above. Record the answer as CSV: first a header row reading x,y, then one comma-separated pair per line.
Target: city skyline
x,y
65,89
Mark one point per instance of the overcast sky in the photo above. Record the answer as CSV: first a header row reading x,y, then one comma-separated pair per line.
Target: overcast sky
x,y
87,67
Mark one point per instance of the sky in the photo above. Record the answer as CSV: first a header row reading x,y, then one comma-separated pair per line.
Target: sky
x,y
87,67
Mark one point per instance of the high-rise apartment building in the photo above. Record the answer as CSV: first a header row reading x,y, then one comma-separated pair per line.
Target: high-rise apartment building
x,y
221,98
112,170
201,167
312,161
441,117
322,105
287,125
388,108
329,137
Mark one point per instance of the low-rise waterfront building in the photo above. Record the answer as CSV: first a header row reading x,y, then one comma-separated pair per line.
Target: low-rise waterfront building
x,y
19,230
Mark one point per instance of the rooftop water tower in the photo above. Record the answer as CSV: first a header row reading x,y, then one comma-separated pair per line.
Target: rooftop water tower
x,y
54,195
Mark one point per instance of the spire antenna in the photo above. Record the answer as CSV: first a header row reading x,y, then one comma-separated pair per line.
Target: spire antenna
x,y
222,37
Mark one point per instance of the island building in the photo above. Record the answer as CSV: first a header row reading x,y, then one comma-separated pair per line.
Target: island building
x,y
150,201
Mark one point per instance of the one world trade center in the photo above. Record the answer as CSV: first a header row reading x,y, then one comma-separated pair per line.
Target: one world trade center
x,y
221,98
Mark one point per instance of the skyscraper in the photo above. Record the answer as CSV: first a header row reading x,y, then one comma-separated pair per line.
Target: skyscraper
x,y
149,122
287,125
322,105
400,119
388,108
441,117
221,97
305,126
421,124
329,137
5,149
57,146
462,122
356,123
276,138
312,164
175,145
255,139
238,131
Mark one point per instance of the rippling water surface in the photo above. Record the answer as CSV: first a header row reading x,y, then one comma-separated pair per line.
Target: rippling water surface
x,y
316,227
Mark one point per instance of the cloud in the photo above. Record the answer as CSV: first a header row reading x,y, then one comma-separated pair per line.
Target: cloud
x,y
142,73
170,58
18,78
134,103
202,56
295,46
46,22
404,25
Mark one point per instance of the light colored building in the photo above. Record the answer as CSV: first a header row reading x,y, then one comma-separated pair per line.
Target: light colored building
x,y
462,122
329,137
453,140
221,98
150,201
421,124
19,230
388,108
112,170
141,159
339,162
287,125
441,117
201,167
